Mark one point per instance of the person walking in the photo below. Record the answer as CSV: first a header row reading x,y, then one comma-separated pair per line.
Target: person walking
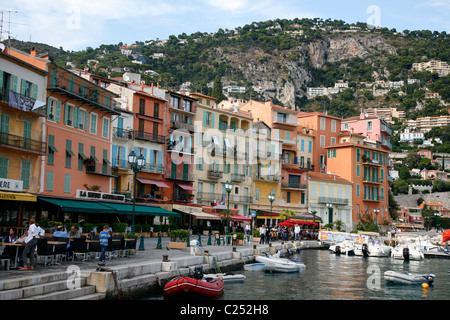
x,y
262,234
104,235
31,242
267,234
296,232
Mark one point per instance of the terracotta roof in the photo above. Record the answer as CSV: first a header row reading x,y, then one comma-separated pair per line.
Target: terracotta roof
x,y
325,176
316,113
351,144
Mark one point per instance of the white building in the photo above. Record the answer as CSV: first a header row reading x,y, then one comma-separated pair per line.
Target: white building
x,y
410,136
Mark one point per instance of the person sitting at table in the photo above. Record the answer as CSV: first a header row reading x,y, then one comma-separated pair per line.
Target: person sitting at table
x,y
8,251
74,233
60,233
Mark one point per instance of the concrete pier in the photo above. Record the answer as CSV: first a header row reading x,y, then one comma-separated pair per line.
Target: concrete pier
x,y
144,273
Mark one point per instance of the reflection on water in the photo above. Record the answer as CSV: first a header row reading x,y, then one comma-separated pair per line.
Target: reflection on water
x,y
331,277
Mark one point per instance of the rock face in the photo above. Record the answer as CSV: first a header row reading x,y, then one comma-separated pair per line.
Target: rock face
x,y
284,74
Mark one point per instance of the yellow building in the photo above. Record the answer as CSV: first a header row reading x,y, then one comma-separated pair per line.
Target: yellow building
x,y
22,145
222,154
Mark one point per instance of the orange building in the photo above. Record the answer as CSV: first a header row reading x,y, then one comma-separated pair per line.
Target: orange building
x,y
366,167
326,130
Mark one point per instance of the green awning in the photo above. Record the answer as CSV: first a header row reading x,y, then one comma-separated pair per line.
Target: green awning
x,y
79,206
143,210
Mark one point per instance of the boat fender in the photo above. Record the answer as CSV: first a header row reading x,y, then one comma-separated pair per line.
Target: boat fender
x,y
406,253
338,250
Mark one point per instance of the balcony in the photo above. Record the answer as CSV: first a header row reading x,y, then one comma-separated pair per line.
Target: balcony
x,y
180,108
23,144
215,174
333,200
372,181
237,177
148,136
21,102
101,169
127,134
267,178
371,162
154,168
84,93
386,130
182,176
183,125
291,185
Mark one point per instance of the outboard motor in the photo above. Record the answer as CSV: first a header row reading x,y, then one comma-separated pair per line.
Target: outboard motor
x,y
365,250
338,250
406,254
198,273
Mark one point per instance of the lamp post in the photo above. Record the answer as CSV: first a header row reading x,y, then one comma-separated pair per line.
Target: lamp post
x,y
228,188
436,214
377,211
136,163
330,213
271,199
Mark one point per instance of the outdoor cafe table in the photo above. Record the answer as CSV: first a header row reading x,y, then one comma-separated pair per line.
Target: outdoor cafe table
x,y
16,246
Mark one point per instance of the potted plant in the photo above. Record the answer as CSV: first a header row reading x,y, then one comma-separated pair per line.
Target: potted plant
x,y
256,235
146,230
165,230
178,239
156,230
239,238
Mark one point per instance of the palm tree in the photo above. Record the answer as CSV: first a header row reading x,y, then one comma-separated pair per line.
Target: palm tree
x,y
286,214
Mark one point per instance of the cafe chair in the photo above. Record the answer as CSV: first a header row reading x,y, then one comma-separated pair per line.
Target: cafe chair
x,y
61,250
5,259
118,244
95,249
110,250
80,247
45,251
130,245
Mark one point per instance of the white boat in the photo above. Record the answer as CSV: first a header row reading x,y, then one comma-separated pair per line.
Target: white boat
x,y
407,251
274,264
408,278
226,277
254,266
373,249
346,247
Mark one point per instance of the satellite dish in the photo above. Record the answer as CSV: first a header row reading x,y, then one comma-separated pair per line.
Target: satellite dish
x,y
2,46
126,77
2,38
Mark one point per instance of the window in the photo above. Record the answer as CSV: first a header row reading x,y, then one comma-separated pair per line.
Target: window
x,y
68,115
357,190
26,88
333,141
187,105
309,146
156,110
105,131
175,102
345,126
81,156
66,183
288,197
25,173
369,125
257,193
51,150
281,117
142,106
82,119
333,125
322,123
93,127
302,145
69,154
322,141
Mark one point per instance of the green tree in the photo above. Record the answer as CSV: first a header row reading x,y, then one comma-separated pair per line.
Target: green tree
x,y
217,91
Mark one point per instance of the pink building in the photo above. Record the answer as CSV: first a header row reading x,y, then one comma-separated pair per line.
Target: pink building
x,y
426,154
371,127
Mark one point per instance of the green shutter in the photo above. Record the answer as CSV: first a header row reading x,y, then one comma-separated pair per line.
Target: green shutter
x,y
53,78
25,173
35,91
66,183
23,84
4,123
212,120
27,129
49,186
86,120
1,80
4,167
173,172
66,113
71,85
58,111
14,83
76,113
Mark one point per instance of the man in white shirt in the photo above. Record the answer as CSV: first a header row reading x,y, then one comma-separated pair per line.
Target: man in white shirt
x,y
31,242
262,234
297,232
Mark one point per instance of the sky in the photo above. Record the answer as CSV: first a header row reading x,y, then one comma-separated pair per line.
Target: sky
x,y
77,24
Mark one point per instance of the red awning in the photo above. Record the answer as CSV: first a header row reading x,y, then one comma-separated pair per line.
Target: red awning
x,y
185,187
155,182
234,217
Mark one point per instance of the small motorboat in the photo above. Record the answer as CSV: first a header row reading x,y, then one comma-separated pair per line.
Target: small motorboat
x,y
196,285
346,247
227,277
274,264
254,266
374,249
408,278
407,252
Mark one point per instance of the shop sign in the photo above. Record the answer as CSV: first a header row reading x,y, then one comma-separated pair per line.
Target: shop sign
x,y
94,195
11,185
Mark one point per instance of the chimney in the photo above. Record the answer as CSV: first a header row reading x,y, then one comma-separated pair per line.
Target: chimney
x,y
304,130
142,86
361,116
33,52
152,87
352,130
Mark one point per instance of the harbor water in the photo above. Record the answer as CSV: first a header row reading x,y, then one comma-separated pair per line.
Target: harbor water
x,y
336,277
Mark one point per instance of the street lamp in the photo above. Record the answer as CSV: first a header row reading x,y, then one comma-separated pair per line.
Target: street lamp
x,y
136,163
228,188
377,211
271,199
330,213
436,214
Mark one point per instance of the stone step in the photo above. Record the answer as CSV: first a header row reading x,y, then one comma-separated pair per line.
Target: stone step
x,y
65,294
31,280
94,296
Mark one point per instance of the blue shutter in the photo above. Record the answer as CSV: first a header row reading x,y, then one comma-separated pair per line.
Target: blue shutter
x,y
160,157
114,155
145,155
205,114
151,157
124,157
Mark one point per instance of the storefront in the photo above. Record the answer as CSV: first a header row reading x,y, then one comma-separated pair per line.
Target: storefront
x,y
16,209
